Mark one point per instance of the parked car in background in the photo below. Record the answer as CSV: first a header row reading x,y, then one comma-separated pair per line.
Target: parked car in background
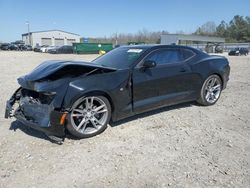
x,y
22,47
28,47
5,46
83,97
37,48
66,49
238,52
13,47
18,42
50,47
25,47
43,48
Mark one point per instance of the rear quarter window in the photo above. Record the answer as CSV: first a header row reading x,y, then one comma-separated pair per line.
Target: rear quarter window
x,y
166,56
187,54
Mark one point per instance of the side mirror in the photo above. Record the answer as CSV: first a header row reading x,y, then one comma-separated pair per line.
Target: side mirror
x,y
149,64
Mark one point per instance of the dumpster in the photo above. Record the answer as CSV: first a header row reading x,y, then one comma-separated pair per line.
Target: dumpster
x,y
91,48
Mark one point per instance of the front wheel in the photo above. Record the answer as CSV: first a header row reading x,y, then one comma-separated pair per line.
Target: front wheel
x,y
210,91
89,116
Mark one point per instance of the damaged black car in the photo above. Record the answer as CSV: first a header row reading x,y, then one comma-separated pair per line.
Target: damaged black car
x,y
83,97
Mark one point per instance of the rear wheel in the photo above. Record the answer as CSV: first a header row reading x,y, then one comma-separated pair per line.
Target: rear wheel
x,y
89,116
210,91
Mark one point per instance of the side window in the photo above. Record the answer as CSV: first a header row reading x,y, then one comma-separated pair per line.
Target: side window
x,y
166,56
187,53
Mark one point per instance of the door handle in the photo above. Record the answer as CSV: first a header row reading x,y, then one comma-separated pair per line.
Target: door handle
x,y
183,70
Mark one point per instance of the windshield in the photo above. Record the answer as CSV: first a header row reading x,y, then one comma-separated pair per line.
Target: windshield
x,y
120,58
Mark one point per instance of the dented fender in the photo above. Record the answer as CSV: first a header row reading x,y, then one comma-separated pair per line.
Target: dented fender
x,y
116,85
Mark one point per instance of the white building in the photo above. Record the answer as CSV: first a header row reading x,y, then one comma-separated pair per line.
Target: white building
x,y
50,37
206,43
189,39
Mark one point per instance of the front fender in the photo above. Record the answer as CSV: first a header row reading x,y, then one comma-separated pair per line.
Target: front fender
x,y
115,84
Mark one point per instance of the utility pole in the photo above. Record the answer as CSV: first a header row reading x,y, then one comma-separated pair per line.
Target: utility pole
x,y
116,39
28,24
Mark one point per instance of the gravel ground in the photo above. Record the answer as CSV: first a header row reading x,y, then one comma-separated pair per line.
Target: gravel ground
x,y
180,146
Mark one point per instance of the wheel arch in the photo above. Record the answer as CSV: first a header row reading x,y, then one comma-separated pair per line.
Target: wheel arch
x,y
71,100
95,92
220,76
101,93
212,66
70,126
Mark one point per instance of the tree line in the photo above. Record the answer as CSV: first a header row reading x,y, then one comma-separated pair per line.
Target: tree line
x,y
236,30
142,36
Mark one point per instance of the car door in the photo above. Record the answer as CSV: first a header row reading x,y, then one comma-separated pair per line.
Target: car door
x,y
66,49
171,81
63,49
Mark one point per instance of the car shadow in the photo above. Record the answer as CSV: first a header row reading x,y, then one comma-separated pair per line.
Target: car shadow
x,y
151,113
40,135
27,130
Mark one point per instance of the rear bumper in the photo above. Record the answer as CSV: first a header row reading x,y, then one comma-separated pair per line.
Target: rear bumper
x,y
38,120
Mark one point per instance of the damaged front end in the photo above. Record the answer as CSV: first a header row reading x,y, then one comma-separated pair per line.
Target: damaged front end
x,y
38,103
36,110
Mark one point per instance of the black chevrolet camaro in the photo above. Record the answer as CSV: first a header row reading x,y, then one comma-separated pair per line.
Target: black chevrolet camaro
x,y
83,98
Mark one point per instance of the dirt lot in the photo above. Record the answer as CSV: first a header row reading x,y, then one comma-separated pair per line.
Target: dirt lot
x,y
181,146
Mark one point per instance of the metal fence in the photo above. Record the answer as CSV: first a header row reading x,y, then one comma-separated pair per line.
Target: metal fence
x,y
230,46
226,46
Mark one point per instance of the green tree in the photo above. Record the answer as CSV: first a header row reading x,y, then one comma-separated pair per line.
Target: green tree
x,y
221,29
238,29
247,37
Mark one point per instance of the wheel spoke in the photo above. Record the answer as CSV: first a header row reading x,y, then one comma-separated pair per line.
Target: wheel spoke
x,y
77,115
91,102
83,122
212,96
97,120
207,95
99,108
212,82
102,111
87,103
78,110
93,123
216,87
84,126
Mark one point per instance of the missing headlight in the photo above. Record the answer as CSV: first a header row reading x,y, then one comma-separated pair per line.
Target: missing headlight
x,y
41,97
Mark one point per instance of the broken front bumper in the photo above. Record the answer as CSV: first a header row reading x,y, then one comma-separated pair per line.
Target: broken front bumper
x,y
41,117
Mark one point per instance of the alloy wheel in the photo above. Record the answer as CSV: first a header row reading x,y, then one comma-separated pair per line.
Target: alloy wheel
x,y
89,115
212,90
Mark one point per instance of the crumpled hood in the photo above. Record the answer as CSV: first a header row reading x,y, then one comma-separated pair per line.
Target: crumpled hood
x,y
55,74
48,68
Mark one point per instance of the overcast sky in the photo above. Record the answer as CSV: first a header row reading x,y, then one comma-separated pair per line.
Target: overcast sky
x,y
98,18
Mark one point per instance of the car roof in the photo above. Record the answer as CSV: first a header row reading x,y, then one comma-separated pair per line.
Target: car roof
x,y
148,46
159,46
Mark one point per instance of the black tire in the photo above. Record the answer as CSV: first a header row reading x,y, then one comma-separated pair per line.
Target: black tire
x,y
73,130
202,99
